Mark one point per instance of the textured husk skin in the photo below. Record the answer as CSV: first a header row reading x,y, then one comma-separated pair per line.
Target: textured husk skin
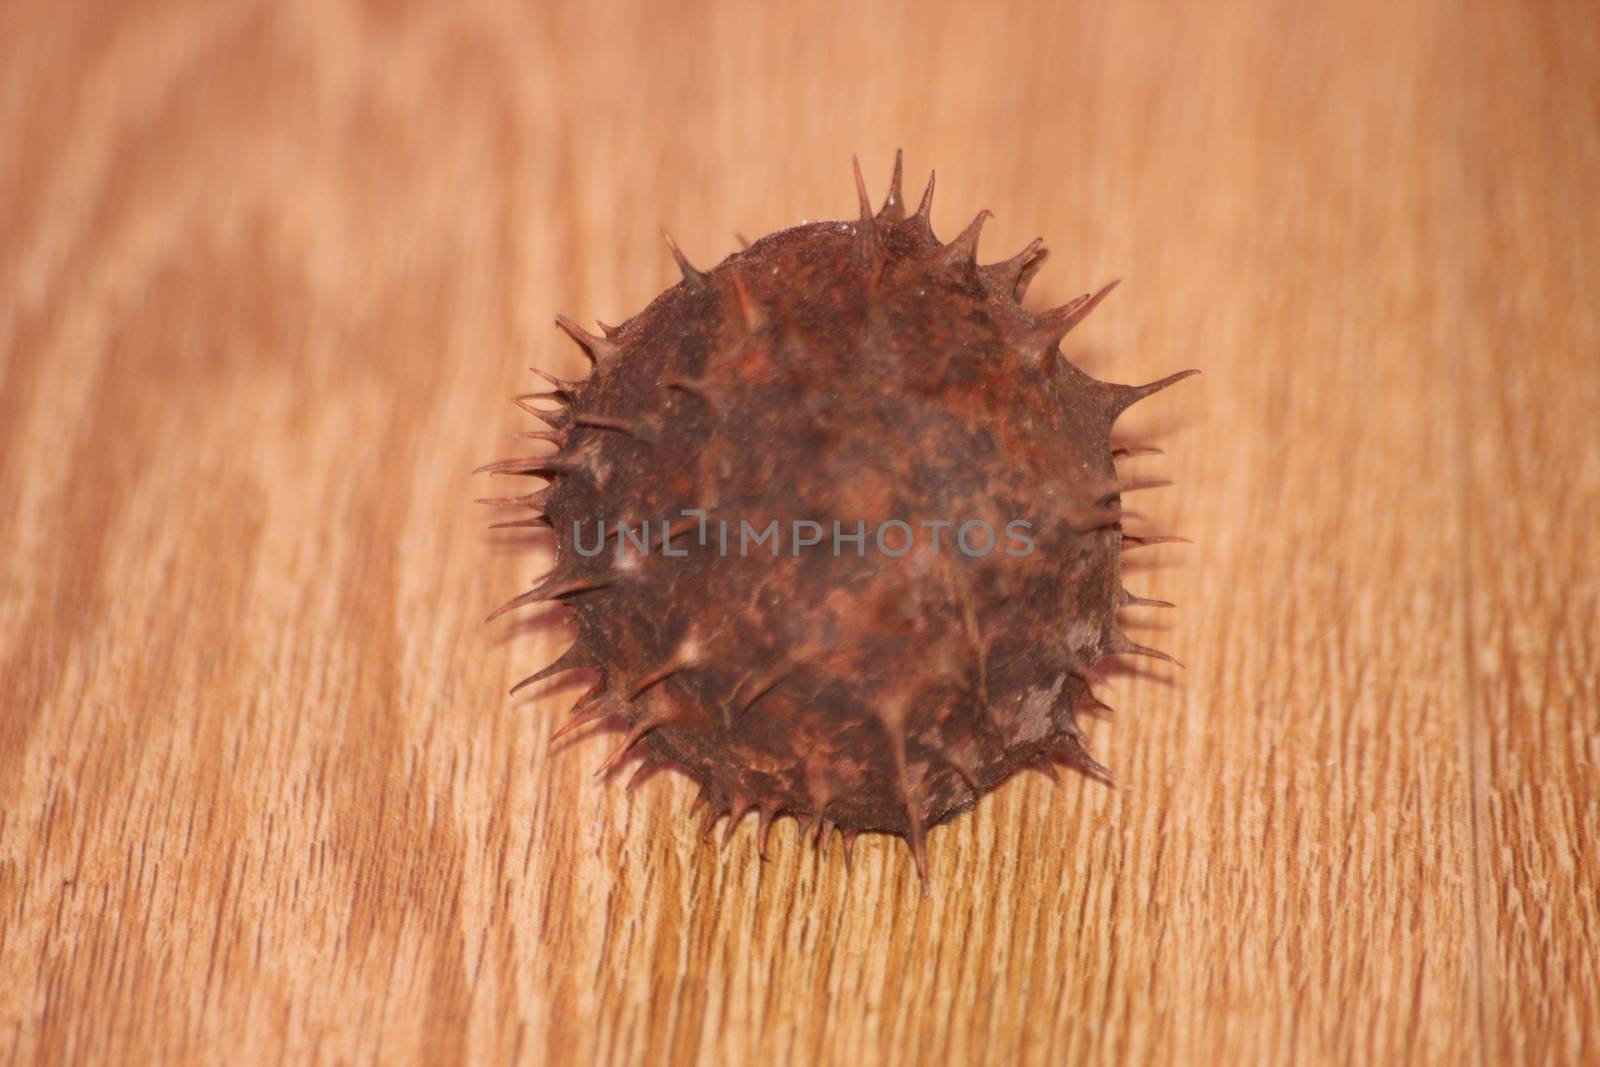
x,y
858,372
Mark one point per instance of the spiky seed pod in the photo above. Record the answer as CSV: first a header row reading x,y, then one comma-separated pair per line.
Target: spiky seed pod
x,y
851,373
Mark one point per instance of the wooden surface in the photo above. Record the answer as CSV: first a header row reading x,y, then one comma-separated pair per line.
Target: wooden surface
x,y
268,273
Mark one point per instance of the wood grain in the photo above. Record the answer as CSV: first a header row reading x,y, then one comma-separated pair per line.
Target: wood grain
x,y
268,272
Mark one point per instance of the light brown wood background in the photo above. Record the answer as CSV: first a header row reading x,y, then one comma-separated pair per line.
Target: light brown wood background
x,y
268,272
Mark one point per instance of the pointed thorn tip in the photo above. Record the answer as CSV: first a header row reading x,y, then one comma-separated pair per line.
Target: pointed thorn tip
x,y
1125,396
925,208
691,275
893,209
861,190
